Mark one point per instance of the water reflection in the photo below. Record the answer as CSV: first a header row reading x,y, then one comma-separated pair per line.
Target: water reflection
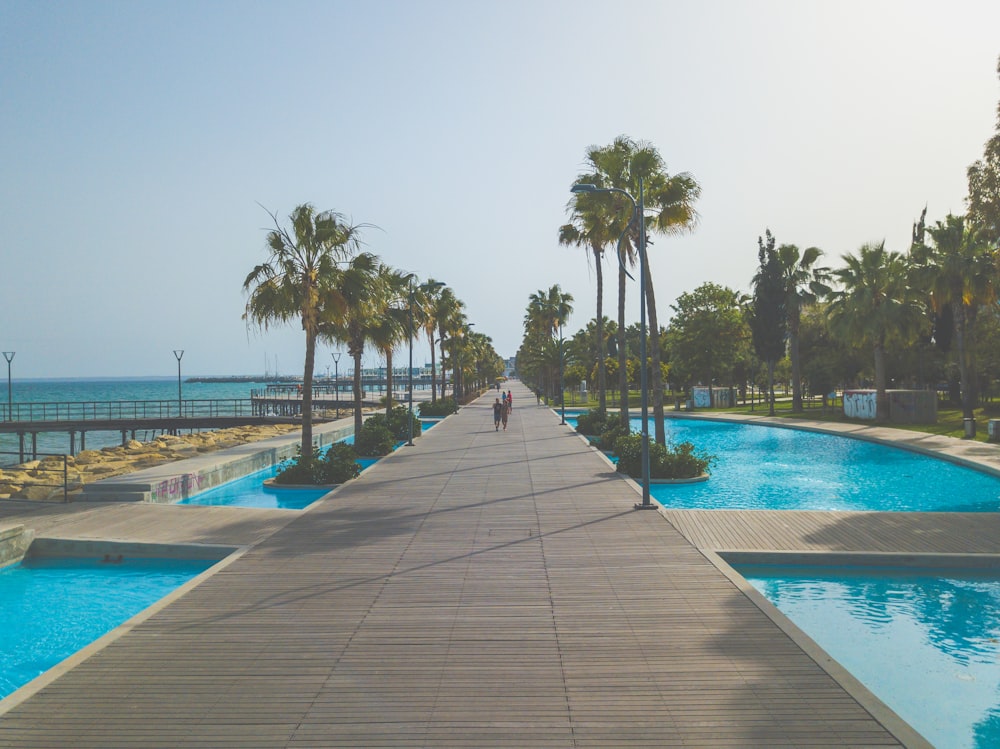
x,y
927,645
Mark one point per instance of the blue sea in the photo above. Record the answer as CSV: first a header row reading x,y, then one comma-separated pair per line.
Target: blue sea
x,y
103,390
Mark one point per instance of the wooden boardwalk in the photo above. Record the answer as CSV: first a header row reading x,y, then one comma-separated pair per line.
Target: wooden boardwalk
x,y
480,589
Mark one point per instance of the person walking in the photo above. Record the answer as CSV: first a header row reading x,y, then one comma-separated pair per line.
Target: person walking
x,y
505,412
510,401
498,410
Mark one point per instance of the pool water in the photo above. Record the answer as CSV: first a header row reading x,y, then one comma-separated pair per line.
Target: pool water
x,y
927,643
249,490
51,608
771,468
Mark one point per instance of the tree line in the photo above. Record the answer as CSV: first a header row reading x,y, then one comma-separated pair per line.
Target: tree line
x,y
317,275
923,317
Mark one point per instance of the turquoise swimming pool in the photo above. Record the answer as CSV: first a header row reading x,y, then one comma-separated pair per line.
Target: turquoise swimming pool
x,y
773,468
926,642
51,608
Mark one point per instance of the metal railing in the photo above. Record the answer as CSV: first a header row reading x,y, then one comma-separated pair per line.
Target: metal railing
x,y
59,483
108,410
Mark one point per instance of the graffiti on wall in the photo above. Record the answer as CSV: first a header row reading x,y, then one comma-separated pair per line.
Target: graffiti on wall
x,y
859,404
178,487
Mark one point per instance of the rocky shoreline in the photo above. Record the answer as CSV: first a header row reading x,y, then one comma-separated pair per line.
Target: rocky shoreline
x,y
42,480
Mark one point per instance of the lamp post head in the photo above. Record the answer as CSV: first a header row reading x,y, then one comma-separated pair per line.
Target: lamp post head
x,y
336,356
584,187
178,353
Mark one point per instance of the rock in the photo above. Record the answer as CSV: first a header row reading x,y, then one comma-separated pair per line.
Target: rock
x,y
41,493
85,457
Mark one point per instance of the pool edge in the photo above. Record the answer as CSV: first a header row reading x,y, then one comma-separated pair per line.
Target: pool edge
x,y
33,687
878,709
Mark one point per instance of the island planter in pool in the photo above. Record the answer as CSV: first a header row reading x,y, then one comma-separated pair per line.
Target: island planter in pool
x,y
693,480
335,466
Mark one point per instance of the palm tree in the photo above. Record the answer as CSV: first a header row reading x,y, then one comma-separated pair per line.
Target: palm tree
x,y
450,319
637,168
804,284
546,315
389,326
428,300
875,306
959,274
591,226
349,315
292,283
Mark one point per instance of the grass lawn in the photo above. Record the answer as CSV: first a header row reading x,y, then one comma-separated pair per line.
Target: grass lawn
x,y
949,421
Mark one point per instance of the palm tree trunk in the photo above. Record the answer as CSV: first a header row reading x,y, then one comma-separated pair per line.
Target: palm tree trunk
x,y
602,374
770,388
794,317
388,382
433,371
654,364
963,362
307,384
881,398
622,354
444,372
357,391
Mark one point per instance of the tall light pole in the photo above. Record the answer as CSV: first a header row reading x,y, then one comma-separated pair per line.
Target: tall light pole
x,y
423,287
336,377
180,403
638,214
9,356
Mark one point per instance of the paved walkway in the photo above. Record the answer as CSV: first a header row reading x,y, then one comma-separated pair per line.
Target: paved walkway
x,y
479,589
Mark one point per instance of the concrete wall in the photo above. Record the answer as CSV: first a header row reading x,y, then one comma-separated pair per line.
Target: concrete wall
x,y
702,399
905,406
14,543
181,479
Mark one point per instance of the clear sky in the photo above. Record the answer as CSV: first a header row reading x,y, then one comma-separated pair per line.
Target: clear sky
x,y
139,140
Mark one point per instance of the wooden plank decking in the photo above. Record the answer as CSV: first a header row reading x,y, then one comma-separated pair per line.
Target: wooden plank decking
x,y
479,589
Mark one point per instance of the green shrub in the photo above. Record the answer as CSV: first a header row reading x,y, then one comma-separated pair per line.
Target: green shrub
x,y
340,463
670,462
591,422
336,466
397,422
374,439
442,407
612,432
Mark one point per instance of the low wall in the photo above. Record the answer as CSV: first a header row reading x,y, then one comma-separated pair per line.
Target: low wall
x,y
78,548
14,543
905,406
181,479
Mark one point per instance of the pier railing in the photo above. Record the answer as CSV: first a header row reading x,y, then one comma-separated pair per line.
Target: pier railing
x,y
48,481
108,410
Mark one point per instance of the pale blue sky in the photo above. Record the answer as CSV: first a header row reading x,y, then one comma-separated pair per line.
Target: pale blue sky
x,y
139,137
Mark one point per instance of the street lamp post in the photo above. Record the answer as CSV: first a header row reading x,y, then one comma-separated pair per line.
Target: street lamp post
x,y
638,214
9,356
180,403
423,287
336,378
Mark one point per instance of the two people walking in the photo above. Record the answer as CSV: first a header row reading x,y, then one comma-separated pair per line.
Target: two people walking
x,y
501,411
